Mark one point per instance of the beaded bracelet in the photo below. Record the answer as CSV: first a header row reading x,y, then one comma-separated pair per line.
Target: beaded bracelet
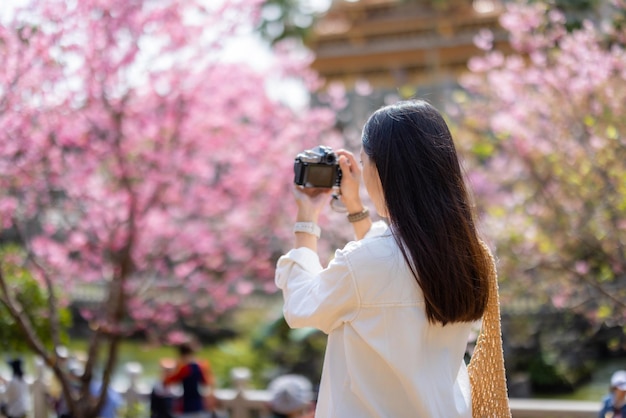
x,y
359,216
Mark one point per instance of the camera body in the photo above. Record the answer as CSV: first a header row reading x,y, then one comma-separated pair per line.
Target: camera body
x,y
317,167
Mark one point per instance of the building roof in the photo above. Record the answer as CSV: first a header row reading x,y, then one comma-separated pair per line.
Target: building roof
x,y
391,43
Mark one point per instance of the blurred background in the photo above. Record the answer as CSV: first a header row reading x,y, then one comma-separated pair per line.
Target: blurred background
x,y
146,156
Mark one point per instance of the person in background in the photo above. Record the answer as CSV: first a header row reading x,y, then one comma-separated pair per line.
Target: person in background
x,y
292,396
196,380
398,303
161,396
112,402
54,392
614,405
16,395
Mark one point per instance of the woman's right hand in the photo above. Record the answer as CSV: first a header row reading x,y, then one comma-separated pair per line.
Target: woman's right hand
x,y
350,181
310,202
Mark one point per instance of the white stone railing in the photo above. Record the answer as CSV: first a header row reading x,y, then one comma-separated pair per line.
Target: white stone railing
x,y
237,402
244,402
550,408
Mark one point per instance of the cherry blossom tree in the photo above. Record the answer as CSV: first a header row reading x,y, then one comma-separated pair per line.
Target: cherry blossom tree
x,y
137,158
547,129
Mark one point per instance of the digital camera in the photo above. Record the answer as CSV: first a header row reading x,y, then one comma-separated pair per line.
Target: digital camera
x,y
317,167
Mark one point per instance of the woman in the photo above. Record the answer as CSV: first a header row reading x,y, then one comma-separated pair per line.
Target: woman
x,y
398,303
17,393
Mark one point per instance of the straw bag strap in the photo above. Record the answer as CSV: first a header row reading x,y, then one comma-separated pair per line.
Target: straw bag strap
x,y
486,367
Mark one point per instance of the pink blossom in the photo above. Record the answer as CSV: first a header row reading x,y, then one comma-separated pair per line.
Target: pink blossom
x,y
484,39
244,288
177,337
550,187
146,158
581,267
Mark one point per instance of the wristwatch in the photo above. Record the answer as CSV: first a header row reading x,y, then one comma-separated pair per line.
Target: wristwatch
x,y
310,228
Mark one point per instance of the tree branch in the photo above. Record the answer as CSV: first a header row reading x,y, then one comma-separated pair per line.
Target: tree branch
x,y
17,313
53,312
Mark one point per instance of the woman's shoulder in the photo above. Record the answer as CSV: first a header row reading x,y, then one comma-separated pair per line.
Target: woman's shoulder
x,y
381,240
18,383
380,272
371,251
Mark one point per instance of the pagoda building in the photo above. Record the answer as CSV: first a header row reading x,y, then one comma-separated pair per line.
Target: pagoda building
x,y
410,47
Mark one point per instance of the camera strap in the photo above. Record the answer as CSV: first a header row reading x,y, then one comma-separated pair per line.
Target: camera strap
x,y
336,204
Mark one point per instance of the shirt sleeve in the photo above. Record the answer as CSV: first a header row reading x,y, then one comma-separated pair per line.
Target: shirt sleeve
x,y
314,296
207,372
182,372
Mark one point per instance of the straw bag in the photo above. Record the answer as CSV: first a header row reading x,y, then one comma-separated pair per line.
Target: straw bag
x,y
486,367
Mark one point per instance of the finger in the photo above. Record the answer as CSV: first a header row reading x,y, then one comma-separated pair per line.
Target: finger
x,y
343,152
323,197
352,159
317,191
349,164
302,192
344,163
298,191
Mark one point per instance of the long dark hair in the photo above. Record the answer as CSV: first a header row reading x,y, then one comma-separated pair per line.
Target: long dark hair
x,y
16,366
429,208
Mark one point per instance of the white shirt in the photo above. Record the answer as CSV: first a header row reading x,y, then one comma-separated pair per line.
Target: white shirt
x,y
17,397
383,357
